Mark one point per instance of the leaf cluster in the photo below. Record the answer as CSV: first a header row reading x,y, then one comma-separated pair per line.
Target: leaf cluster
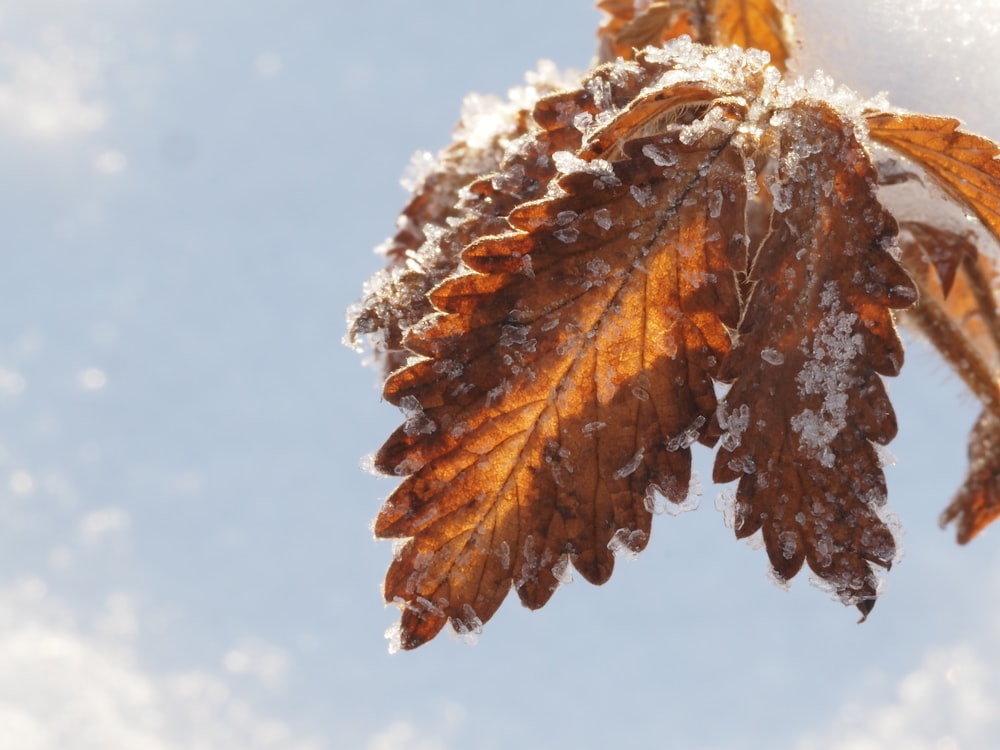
x,y
682,246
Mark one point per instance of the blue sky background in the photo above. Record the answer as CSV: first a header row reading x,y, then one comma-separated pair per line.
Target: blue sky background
x,y
189,198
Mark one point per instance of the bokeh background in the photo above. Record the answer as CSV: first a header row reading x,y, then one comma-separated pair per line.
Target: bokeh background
x,y
189,196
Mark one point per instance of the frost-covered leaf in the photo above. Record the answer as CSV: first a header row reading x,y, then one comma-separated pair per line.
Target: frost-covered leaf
x,y
565,382
446,212
964,165
807,402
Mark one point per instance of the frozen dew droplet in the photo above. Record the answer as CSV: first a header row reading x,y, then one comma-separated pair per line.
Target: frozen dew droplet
x,y
567,235
602,218
469,628
626,543
658,156
562,571
772,356
643,195
630,467
394,634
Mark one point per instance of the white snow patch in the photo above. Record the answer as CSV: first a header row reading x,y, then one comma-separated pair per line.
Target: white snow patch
x,y
828,374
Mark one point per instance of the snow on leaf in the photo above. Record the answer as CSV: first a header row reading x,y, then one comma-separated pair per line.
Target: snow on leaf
x,y
449,207
615,328
822,285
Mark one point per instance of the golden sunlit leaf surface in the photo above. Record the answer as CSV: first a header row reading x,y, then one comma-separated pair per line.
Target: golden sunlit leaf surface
x,y
571,364
569,375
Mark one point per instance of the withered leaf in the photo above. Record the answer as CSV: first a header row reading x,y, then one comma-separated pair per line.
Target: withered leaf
x,y
807,403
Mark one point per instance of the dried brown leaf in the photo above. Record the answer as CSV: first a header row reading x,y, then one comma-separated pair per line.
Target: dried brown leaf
x,y
565,379
961,285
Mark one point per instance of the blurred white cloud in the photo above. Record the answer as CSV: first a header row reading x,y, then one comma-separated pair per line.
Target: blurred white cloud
x,y
403,734
950,701
63,687
50,91
99,524
263,661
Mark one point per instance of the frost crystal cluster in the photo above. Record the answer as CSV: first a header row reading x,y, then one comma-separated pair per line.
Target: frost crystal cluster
x,y
577,276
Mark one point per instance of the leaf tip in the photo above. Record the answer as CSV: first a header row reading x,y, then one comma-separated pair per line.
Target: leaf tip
x,y
865,606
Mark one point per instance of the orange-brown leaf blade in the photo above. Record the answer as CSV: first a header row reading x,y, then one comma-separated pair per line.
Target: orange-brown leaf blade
x,y
964,165
807,402
568,377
